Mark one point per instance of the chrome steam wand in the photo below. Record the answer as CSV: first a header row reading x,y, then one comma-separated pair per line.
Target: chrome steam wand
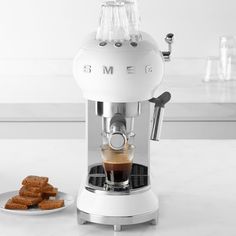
x,y
158,114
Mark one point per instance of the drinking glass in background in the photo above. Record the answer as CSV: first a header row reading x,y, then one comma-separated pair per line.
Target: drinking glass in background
x,y
228,57
213,72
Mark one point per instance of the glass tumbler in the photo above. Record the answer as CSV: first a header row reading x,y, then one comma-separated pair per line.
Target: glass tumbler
x,y
212,70
228,57
117,165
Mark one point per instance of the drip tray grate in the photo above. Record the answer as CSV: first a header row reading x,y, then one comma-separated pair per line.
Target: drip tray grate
x,y
138,178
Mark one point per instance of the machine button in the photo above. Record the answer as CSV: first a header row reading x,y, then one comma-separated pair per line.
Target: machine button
x,y
134,44
102,44
118,45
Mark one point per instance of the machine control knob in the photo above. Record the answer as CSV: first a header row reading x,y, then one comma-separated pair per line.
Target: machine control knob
x,y
118,45
102,44
117,141
134,44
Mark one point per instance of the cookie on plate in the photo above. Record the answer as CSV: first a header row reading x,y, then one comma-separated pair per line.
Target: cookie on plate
x,y
25,192
15,206
51,204
35,181
28,201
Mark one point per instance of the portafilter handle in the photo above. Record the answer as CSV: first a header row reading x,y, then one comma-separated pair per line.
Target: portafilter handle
x,y
158,114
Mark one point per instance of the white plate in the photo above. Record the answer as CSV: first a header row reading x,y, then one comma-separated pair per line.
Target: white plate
x,y
4,197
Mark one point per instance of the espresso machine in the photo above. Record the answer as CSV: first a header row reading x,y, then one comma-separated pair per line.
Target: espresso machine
x,y
119,68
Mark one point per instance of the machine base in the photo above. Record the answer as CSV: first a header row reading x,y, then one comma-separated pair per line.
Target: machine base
x,y
117,221
105,208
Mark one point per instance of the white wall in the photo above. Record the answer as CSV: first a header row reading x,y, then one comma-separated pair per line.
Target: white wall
x,y
55,28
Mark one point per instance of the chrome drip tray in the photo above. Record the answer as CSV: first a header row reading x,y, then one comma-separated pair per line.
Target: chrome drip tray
x,y
138,178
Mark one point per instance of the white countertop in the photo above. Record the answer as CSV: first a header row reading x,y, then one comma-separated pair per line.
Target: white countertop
x,y
195,181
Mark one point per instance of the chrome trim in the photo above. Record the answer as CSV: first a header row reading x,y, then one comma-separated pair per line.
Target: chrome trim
x,y
157,122
117,221
103,191
129,124
109,109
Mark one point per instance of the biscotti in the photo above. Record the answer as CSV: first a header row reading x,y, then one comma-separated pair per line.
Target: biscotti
x,y
50,193
35,192
25,192
51,204
35,181
47,187
28,201
15,206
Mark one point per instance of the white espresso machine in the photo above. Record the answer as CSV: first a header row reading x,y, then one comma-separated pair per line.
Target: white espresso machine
x,y
118,69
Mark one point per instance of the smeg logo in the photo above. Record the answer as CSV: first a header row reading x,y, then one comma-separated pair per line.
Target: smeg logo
x,y
110,70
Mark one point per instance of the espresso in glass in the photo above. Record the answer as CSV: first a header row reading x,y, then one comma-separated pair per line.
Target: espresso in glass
x,y
117,164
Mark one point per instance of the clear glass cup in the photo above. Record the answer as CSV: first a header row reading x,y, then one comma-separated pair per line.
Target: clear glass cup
x,y
228,57
133,19
213,72
117,165
113,24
